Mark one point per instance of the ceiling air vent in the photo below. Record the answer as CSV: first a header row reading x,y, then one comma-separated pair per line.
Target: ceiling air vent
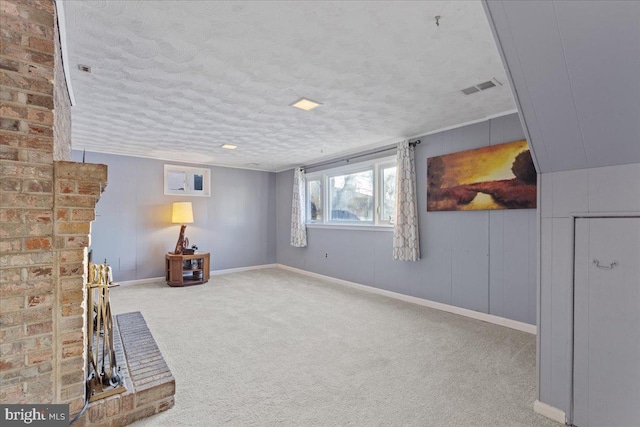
x,y
470,90
84,68
481,86
486,85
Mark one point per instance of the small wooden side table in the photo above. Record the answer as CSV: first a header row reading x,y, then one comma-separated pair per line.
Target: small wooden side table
x,y
185,270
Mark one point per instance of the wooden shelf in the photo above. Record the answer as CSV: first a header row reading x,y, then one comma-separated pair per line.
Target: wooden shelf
x,y
179,271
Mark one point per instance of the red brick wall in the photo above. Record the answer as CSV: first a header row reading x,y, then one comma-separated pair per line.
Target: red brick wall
x,y
26,202
46,208
77,189
62,107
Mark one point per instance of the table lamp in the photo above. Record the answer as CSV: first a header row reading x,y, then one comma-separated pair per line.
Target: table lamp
x,y
182,214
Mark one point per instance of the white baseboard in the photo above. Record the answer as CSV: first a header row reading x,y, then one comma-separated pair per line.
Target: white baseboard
x,y
141,281
490,318
212,273
240,269
549,411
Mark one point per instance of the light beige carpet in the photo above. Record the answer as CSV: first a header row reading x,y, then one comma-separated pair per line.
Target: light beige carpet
x,y
271,347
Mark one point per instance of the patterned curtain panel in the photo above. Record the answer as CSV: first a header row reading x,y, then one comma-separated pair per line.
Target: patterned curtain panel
x,y
298,215
406,238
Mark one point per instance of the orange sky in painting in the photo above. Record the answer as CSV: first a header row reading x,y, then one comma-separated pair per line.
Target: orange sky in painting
x,y
484,164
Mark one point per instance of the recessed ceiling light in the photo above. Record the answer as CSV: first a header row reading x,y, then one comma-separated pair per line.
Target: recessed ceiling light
x,y
229,146
305,104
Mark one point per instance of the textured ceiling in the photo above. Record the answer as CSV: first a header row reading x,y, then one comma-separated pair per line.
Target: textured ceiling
x,y
175,80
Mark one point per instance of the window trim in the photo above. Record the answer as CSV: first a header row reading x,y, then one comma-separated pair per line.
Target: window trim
x,y
187,190
380,167
376,166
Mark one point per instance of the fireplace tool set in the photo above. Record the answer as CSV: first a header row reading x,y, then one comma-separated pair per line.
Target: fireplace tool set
x,y
104,373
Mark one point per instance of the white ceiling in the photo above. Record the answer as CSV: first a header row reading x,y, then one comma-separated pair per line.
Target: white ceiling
x,y
175,80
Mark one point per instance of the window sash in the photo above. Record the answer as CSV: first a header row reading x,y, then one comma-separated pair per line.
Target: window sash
x,y
315,211
384,217
377,168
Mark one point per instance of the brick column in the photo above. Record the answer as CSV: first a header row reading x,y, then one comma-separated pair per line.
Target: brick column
x,y
26,202
45,216
77,189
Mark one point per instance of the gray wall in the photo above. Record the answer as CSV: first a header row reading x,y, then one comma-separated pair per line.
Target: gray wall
x,y
133,228
574,68
606,190
480,260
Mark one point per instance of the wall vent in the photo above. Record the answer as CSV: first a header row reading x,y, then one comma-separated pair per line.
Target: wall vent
x,y
481,86
84,68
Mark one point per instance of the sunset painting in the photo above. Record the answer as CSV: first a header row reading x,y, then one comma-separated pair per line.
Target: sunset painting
x,y
496,177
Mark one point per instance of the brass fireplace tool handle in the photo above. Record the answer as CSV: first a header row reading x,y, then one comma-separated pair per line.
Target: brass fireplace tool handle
x,y
104,379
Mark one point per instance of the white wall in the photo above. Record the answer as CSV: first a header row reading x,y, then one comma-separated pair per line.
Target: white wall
x,y
606,190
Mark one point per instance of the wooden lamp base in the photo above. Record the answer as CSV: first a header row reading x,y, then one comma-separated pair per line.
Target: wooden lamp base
x,y
180,243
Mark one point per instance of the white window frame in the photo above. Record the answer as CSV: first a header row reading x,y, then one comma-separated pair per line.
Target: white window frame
x,y
379,185
188,183
378,224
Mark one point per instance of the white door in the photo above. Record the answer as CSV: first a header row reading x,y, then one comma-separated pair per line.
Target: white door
x,y
606,388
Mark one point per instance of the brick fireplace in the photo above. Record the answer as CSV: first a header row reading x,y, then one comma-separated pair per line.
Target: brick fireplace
x,y
47,204
77,188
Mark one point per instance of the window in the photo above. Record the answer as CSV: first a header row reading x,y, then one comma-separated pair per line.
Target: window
x,y
186,181
314,194
361,194
388,194
351,197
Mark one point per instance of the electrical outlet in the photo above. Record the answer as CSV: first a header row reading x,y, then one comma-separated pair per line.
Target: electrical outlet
x,y
326,255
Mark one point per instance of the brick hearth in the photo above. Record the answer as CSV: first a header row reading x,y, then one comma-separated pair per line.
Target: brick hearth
x,y
147,378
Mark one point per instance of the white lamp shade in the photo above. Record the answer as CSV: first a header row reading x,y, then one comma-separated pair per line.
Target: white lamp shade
x,y
182,213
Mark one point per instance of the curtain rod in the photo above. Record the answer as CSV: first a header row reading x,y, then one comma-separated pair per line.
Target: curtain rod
x,y
357,156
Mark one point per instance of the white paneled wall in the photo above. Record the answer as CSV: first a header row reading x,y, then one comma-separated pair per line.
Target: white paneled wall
x,y
606,190
574,69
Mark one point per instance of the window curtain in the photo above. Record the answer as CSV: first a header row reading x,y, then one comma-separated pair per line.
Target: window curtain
x,y
298,214
406,237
